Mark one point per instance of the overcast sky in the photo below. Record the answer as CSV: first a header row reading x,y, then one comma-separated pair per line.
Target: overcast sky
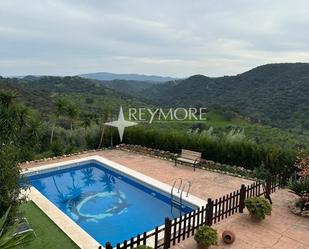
x,y
176,38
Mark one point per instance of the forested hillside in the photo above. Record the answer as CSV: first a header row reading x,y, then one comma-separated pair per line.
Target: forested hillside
x,y
89,95
275,94
67,114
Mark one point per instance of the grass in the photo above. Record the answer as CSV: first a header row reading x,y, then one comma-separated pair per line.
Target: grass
x,y
49,236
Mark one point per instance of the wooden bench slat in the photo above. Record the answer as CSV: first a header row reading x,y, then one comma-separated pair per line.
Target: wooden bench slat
x,y
189,156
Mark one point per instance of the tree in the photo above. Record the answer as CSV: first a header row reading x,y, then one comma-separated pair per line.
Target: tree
x,y
105,116
6,98
86,120
22,114
71,112
59,111
9,179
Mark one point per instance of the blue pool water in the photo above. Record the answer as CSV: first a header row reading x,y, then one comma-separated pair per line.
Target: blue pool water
x,y
107,205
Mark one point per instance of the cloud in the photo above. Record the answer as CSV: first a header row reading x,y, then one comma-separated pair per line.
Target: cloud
x,y
176,37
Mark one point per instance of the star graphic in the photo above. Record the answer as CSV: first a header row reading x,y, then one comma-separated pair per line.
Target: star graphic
x,y
121,123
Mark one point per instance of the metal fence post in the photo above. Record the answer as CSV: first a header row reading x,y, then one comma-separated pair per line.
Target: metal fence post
x,y
209,211
242,198
167,233
108,245
284,180
268,184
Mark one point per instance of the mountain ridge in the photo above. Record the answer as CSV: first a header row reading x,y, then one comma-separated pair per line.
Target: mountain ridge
x,y
275,94
105,76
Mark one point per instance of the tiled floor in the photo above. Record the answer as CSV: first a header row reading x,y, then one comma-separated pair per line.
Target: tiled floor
x,y
205,184
281,230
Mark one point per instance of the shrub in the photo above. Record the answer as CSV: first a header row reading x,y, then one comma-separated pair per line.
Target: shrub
x,y
243,152
300,187
57,149
261,172
8,238
259,207
9,181
302,163
206,236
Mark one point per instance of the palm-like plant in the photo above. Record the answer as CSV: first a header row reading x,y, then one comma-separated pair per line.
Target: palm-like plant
x,y
8,237
7,98
59,111
72,113
86,120
299,187
101,120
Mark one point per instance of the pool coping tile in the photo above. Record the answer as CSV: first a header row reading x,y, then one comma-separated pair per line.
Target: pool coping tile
x,y
68,226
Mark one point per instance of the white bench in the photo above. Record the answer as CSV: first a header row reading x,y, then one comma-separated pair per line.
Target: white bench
x,y
189,156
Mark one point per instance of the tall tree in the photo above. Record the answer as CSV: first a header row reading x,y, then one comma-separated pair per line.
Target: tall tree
x,y
10,138
60,110
86,119
72,113
104,117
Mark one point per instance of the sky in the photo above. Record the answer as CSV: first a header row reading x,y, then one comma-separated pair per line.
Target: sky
x,y
163,37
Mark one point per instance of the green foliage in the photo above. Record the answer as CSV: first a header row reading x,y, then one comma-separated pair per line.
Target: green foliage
x,y
18,138
67,97
300,187
9,179
261,172
242,153
275,94
206,236
259,207
8,238
6,98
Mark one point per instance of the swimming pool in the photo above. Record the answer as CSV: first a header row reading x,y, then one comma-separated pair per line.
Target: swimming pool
x,y
108,205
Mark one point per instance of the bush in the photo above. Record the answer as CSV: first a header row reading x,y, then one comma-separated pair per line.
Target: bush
x,y
8,237
206,236
57,149
300,187
261,172
302,163
242,153
9,181
259,207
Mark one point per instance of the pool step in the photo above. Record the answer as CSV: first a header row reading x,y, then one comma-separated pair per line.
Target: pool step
x,y
176,203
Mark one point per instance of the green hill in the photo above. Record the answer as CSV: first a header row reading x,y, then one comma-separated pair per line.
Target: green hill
x,y
89,95
274,94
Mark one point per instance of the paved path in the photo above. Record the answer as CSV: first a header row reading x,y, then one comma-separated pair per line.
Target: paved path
x,y
282,230
205,184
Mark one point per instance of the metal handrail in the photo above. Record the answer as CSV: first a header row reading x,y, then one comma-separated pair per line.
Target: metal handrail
x,y
183,188
172,190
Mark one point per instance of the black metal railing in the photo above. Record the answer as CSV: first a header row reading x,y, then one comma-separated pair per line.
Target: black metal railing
x,y
176,230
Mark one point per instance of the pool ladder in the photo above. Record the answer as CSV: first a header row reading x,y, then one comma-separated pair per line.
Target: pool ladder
x,y
175,201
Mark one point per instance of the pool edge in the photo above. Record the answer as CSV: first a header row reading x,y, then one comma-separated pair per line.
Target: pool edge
x,y
83,239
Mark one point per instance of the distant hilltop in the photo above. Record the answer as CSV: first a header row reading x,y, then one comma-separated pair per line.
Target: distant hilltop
x,y
135,77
